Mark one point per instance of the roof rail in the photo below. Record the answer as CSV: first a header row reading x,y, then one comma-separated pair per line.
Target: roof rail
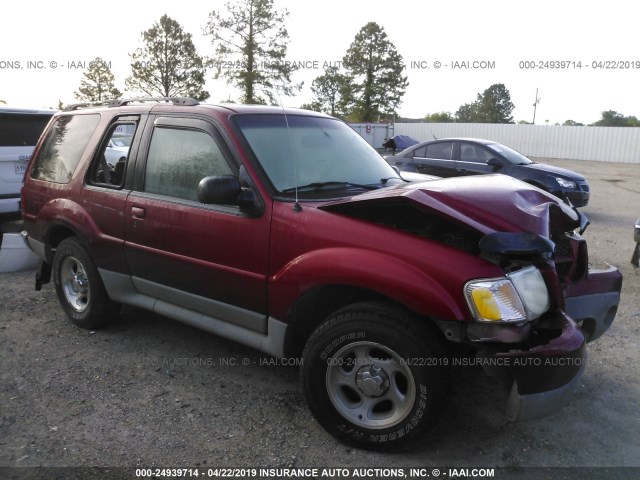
x,y
76,106
119,102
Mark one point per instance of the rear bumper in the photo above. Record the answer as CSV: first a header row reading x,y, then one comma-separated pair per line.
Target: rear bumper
x,y
10,204
36,246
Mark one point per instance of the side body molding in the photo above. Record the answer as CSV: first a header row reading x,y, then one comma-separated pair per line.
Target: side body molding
x,y
266,334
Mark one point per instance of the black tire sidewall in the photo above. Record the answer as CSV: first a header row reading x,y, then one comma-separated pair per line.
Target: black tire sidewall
x,y
99,307
412,344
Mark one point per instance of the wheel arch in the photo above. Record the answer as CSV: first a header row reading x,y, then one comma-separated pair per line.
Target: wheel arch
x,y
318,303
54,236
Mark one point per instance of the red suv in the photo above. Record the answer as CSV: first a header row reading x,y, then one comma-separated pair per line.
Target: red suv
x,y
283,230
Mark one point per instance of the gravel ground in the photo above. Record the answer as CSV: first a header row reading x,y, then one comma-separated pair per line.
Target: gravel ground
x,y
150,392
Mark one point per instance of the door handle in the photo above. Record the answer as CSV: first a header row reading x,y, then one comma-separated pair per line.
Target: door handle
x,y
138,212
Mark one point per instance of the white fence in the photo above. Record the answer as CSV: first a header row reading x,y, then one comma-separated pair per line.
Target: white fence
x,y
374,133
604,144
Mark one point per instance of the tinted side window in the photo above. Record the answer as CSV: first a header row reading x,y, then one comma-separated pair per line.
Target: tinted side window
x,y
178,159
420,152
18,130
441,150
470,152
63,147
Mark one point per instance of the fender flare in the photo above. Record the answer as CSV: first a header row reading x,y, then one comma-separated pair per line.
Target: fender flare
x,y
379,272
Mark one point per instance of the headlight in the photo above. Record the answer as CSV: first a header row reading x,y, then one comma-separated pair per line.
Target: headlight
x,y
521,296
565,183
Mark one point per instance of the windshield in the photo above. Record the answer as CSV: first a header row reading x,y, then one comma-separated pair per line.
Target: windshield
x,y
510,154
313,152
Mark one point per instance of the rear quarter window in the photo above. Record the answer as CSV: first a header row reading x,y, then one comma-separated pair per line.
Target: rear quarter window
x,y
63,147
17,130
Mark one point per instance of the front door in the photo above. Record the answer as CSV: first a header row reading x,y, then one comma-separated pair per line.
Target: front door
x,y
207,258
473,158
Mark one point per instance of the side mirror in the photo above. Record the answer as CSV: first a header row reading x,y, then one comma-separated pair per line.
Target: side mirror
x,y
223,189
227,190
494,162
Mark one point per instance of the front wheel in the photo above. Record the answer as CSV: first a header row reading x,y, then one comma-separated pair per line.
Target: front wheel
x,y
374,377
79,286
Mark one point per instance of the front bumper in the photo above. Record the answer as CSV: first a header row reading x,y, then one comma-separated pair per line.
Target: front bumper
x,y
593,302
531,406
545,369
577,198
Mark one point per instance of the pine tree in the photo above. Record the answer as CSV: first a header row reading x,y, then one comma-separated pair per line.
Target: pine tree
x,y
330,91
376,69
250,43
167,64
97,83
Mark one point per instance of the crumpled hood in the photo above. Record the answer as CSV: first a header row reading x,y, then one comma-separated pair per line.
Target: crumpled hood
x,y
486,203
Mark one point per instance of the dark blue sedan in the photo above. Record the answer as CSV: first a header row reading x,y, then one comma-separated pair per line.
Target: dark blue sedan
x,y
454,157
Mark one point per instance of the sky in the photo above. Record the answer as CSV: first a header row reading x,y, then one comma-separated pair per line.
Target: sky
x,y
46,46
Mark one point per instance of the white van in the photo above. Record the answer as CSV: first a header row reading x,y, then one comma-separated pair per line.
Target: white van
x,y
20,129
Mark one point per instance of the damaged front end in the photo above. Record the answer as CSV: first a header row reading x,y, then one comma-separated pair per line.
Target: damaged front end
x,y
545,356
530,324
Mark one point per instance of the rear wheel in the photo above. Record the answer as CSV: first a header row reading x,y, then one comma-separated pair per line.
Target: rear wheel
x,y
374,377
79,286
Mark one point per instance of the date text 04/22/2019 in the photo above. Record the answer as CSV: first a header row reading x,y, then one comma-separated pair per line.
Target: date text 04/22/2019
x,y
579,65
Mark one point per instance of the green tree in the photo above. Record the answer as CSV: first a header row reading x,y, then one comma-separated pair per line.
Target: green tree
x,y
314,106
330,91
250,43
611,118
97,83
572,123
492,106
167,64
440,117
376,69
2,101
468,113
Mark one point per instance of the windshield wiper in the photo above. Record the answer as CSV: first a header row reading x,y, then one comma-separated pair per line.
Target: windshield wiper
x,y
319,185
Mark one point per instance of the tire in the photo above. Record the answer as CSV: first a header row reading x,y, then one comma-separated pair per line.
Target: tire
x,y
79,287
374,377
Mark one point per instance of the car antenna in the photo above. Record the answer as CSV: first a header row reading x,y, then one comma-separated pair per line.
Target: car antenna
x,y
296,205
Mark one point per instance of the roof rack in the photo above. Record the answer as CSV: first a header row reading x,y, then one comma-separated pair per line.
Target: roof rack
x,y
77,106
119,102
175,100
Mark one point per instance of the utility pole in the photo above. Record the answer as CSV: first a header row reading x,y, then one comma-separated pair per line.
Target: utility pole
x,y
535,106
